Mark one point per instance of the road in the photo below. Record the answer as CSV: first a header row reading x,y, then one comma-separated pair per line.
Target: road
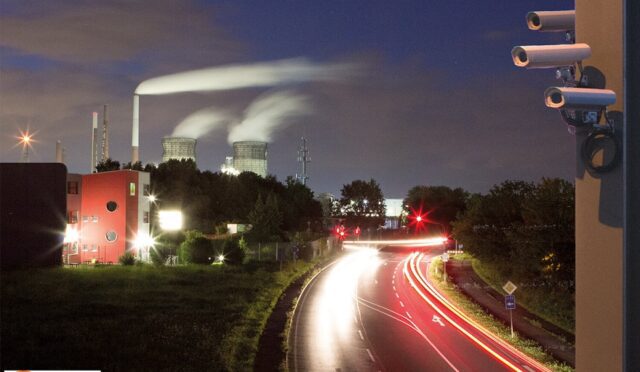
x,y
374,311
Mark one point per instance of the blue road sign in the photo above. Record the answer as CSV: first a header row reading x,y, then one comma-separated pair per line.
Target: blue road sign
x,y
510,302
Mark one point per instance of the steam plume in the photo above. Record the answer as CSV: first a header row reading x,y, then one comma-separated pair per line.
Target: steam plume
x,y
201,122
267,113
237,76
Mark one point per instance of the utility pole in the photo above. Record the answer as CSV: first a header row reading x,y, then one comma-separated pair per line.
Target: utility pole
x,y
304,160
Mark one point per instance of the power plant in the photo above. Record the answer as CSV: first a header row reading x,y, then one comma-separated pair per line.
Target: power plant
x,y
178,148
250,156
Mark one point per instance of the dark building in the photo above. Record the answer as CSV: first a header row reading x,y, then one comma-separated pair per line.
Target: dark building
x,y
33,207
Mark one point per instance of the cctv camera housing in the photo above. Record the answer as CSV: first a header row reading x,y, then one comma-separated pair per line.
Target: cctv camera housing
x,y
585,99
554,21
549,56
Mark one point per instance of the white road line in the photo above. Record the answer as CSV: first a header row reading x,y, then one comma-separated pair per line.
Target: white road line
x,y
375,280
360,333
409,315
401,304
370,355
397,295
355,320
528,368
394,288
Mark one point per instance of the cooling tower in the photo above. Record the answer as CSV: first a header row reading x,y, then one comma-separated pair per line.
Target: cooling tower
x,y
250,156
178,148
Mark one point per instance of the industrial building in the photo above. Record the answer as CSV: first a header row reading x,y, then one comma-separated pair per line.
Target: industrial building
x,y
107,215
250,156
178,148
32,222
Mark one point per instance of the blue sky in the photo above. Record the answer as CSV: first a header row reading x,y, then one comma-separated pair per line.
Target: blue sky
x,y
437,100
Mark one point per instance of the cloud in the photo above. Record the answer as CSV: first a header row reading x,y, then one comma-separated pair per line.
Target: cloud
x,y
114,30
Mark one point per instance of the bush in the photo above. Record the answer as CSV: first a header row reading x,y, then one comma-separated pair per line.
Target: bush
x,y
196,249
127,259
233,251
159,254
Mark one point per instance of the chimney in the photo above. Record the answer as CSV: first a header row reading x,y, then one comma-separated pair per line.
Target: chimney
x,y
105,135
59,152
135,130
94,140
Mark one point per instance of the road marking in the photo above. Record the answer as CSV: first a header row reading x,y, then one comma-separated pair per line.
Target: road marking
x,y
528,368
409,315
360,333
394,287
401,304
436,319
370,355
397,295
355,319
375,280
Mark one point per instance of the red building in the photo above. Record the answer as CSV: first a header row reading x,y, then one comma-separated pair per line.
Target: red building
x,y
108,214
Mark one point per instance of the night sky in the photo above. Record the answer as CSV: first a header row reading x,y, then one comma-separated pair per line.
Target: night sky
x,y
436,99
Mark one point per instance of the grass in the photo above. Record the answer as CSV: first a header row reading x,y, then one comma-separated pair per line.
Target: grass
x,y
555,306
139,317
475,312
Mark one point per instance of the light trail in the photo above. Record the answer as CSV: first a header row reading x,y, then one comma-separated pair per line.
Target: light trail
x,y
423,242
420,284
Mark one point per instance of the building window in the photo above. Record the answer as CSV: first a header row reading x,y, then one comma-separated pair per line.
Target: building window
x,y
72,187
132,188
111,236
84,248
145,217
73,217
85,218
73,248
112,206
94,248
146,189
95,219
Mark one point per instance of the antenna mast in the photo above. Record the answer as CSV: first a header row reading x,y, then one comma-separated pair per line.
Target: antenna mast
x,y
303,159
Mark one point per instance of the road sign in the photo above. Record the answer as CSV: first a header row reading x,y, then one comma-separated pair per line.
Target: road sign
x,y
509,287
510,302
445,257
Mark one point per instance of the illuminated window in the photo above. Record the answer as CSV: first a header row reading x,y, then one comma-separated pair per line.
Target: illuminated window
x,y
85,218
73,217
111,236
95,219
132,188
147,189
73,248
72,187
145,217
112,206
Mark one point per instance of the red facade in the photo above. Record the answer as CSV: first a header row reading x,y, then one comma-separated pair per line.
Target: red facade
x,y
111,214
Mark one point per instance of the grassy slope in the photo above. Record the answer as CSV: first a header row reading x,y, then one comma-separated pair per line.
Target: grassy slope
x,y
496,327
138,318
556,307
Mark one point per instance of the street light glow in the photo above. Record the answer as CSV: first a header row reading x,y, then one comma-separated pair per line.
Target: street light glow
x,y
170,220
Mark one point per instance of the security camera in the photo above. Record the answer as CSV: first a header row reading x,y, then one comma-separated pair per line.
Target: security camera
x,y
556,21
549,56
585,99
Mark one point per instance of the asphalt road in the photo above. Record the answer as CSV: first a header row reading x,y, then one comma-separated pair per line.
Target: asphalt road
x,y
369,312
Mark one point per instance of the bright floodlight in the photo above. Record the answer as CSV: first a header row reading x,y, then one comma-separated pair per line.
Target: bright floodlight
x,y
170,220
152,198
143,240
221,258
71,235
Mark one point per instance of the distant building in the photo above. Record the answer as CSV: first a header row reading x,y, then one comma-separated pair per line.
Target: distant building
x,y
108,214
33,206
393,213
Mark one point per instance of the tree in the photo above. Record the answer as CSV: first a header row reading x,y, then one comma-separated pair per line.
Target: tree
x,y
439,204
196,249
362,204
265,219
107,165
135,166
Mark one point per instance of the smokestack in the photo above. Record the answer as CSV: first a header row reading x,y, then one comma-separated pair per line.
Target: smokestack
x,y
59,152
94,140
135,130
105,135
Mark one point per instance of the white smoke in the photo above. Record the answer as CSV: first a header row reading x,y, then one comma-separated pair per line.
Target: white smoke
x,y
201,122
265,74
267,113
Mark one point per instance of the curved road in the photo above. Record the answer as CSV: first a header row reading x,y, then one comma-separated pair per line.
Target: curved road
x,y
373,311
